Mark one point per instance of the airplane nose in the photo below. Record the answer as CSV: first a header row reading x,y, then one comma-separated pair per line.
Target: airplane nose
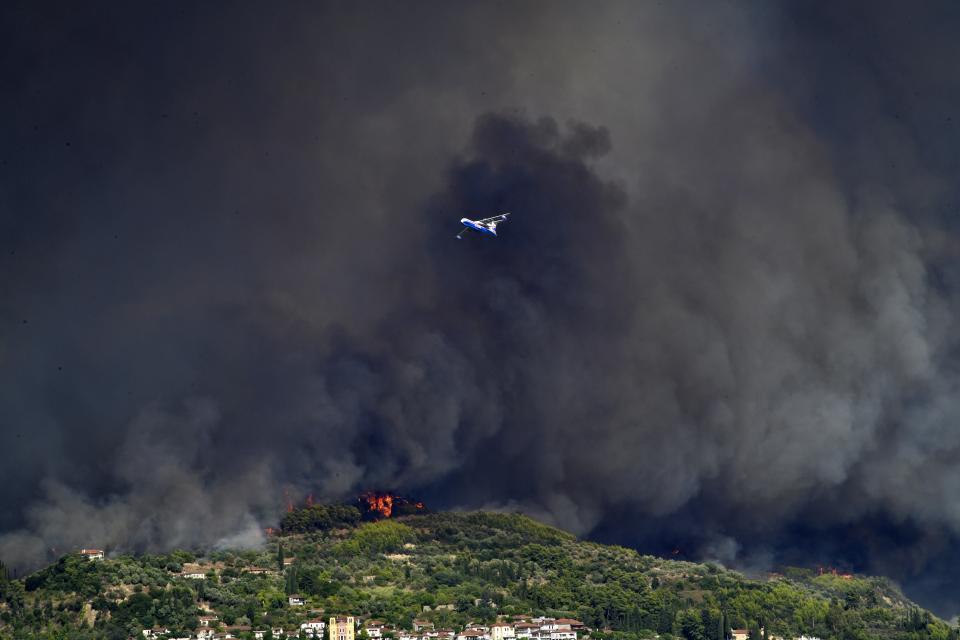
x,y
463,221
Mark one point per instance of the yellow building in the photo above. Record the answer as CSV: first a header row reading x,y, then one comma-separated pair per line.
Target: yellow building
x,y
341,628
502,631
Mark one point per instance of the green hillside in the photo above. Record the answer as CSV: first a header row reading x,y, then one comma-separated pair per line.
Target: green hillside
x,y
451,569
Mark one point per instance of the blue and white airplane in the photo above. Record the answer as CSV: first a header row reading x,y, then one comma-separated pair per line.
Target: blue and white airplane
x,y
487,225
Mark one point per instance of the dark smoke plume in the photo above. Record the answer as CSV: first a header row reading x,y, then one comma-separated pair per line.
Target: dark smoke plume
x,y
721,318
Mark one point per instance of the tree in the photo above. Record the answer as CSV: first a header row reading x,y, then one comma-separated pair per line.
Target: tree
x,y
290,582
690,625
280,556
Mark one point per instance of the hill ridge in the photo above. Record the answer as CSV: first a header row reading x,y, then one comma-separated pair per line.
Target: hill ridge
x,y
448,570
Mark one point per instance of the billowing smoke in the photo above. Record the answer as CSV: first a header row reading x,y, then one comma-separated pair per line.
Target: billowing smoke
x,y
719,322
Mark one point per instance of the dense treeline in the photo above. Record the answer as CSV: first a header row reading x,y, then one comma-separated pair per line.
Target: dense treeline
x,y
319,517
453,568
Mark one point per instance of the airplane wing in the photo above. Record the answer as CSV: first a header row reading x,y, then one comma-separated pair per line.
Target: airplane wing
x,y
499,218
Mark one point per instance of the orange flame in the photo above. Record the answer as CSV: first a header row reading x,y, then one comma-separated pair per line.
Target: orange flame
x,y
384,505
380,503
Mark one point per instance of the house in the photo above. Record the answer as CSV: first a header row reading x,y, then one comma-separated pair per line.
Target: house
x,y
258,571
558,629
193,572
313,628
526,629
477,627
92,554
472,634
155,632
208,621
420,625
296,600
576,625
502,631
288,561
236,630
204,633
341,628
374,628
740,634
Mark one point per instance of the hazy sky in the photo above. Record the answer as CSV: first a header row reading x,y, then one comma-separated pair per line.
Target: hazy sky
x,y
722,318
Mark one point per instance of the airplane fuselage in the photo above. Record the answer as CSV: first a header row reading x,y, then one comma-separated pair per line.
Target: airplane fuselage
x,y
477,226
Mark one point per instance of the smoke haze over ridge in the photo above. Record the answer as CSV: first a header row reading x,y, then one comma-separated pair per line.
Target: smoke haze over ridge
x,y
722,316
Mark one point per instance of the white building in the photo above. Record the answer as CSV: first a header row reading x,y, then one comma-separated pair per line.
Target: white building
x,y
296,600
314,628
193,572
92,554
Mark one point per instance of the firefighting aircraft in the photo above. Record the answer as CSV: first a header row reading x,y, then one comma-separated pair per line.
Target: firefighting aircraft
x,y
487,225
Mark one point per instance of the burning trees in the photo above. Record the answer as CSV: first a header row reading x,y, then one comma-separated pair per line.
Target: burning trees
x,y
375,505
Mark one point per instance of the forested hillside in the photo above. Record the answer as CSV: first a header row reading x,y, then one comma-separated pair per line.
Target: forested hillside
x,y
448,569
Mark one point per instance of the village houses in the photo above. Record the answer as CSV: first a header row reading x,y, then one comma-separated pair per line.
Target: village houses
x,y
345,628
314,627
374,629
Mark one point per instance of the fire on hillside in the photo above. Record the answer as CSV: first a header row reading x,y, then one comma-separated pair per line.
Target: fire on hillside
x,y
376,504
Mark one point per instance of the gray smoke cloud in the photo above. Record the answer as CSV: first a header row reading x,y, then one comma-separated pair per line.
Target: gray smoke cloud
x,y
720,318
